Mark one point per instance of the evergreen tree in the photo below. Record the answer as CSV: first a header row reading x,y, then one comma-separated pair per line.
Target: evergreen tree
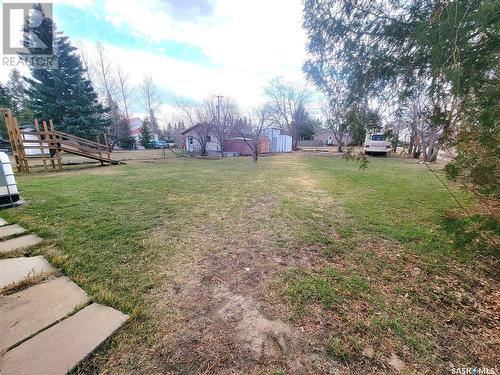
x,y
17,88
308,128
5,102
146,137
356,125
63,93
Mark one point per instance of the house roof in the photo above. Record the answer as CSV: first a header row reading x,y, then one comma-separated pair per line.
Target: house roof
x,y
193,127
135,123
323,131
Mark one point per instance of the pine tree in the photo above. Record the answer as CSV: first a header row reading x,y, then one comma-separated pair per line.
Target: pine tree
x,y
17,88
5,102
146,137
63,93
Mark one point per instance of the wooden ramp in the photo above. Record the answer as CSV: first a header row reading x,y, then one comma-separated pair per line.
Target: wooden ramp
x,y
46,143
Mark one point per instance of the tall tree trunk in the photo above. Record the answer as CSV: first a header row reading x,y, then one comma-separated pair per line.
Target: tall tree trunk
x,y
255,155
433,156
411,145
338,138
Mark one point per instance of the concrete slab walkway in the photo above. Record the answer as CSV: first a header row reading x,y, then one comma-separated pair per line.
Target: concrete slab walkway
x,y
61,347
46,328
11,230
15,270
33,309
19,243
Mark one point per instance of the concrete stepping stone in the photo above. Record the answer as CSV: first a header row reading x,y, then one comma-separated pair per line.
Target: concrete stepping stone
x,y
10,230
15,270
19,243
2,222
37,307
61,347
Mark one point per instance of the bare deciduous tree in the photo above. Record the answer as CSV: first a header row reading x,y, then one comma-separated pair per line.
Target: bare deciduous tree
x,y
429,120
150,99
221,114
251,131
335,114
85,61
126,91
108,88
193,115
284,103
104,73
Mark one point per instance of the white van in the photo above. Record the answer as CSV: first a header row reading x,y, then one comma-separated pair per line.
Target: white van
x,y
376,144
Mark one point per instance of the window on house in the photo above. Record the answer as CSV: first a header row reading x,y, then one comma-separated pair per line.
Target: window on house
x,y
209,138
190,140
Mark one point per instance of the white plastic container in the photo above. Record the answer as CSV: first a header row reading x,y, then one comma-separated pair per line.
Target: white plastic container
x,y
9,196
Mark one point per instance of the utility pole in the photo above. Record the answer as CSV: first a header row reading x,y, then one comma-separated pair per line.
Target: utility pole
x,y
219,97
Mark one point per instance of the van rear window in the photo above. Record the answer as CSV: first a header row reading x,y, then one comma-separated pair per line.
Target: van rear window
x,y
378,137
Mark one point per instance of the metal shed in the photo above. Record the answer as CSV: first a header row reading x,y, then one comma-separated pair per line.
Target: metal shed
x,y
279,142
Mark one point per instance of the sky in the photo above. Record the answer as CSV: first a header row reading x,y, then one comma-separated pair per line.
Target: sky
x,y
194,48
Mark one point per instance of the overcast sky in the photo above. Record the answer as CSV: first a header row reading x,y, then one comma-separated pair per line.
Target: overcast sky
x,y
194,48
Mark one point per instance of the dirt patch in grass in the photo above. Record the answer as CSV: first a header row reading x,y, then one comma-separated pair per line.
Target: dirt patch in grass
x,y
224,316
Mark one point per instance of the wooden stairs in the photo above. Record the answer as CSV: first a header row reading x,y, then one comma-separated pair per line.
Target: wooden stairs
x,y
46,143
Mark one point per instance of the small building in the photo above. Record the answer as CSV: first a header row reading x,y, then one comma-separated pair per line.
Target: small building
x,y
279,142
238,146
328,138
192,145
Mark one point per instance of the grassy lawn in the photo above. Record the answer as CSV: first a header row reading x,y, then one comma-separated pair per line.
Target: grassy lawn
x,y
299,264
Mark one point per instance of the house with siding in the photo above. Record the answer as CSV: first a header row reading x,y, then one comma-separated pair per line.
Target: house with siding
x,y
328,138
191,143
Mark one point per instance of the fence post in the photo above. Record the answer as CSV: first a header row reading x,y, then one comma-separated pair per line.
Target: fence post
x,y
107,146
98,141
40,143
22,152
58,152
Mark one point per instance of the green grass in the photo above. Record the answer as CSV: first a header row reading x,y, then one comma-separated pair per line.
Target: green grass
x,y
380,249
327,286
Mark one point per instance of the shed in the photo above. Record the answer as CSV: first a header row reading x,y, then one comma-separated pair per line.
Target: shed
x,y
279,142
239,146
